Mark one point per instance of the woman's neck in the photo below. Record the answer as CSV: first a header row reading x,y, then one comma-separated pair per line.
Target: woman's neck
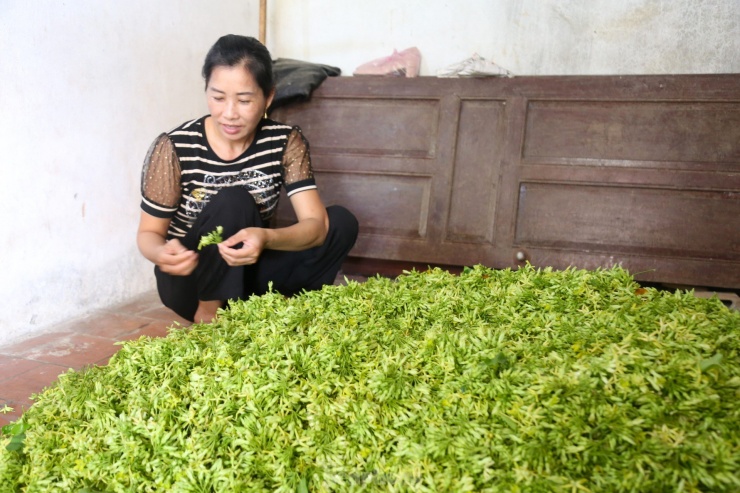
x,y
228,150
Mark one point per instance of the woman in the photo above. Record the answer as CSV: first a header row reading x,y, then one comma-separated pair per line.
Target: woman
x,y
226,169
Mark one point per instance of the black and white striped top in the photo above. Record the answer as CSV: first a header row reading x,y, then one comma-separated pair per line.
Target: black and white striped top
x,y
181,172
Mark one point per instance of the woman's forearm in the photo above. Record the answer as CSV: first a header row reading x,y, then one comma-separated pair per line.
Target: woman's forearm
x,y
149,244
305,234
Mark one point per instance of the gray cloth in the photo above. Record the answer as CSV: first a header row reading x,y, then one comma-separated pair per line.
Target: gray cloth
x,y
295,80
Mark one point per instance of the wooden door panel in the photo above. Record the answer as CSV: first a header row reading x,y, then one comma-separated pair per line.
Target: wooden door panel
x,y
476,172
390,205
588,171
374,127
586,132
627,220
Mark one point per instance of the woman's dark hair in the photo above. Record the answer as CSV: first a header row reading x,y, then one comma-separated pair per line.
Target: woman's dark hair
x,y
232,50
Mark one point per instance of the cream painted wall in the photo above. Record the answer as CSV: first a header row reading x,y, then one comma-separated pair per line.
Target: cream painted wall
x,y
85,86
528,37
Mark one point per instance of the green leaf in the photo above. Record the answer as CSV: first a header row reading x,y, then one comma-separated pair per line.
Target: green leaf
x,y
14,446
18,428
18,438
302,486
708,363
15,428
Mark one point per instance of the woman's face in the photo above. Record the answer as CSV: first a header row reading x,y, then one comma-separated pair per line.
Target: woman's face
x,y
236,102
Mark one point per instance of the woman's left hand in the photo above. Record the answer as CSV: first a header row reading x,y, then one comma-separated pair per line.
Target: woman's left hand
x,y
310,231
253,242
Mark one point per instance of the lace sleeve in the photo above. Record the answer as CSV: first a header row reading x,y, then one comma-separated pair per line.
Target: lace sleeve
x,y
160,176
297,159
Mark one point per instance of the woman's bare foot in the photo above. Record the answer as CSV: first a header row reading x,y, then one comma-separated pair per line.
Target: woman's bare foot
x,y
206,311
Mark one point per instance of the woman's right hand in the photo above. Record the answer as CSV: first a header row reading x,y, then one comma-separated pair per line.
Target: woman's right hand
x,y
174,259
170,256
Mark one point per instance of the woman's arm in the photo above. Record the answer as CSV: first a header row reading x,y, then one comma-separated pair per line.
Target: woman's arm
x,y
308,232
170,256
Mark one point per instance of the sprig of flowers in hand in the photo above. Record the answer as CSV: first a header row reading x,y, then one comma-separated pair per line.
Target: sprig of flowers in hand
x,y
212,238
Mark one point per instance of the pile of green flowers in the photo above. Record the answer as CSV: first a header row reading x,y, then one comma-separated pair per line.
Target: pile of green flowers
x,y
491,380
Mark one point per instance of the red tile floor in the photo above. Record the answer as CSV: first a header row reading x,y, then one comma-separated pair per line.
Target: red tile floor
x,y
29,366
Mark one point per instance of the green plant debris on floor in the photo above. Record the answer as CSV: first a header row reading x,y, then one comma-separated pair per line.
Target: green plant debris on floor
x,y
493,380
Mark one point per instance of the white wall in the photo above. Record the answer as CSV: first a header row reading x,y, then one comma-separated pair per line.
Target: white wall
x,y
85,86
528,37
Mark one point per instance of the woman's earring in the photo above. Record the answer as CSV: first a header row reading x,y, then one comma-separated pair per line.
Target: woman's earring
x,y
265,114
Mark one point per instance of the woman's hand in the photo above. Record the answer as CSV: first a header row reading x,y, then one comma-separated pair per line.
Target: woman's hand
x,y
174,259
170,256
308,232
253,241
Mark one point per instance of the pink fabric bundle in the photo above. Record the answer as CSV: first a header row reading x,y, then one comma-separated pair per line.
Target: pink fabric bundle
x,y
400,64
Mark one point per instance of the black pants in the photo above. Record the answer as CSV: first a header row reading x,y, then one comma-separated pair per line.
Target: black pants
x,y
290,272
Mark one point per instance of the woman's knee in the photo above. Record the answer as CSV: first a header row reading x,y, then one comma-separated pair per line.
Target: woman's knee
x,y
343,223
232,198
235,207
